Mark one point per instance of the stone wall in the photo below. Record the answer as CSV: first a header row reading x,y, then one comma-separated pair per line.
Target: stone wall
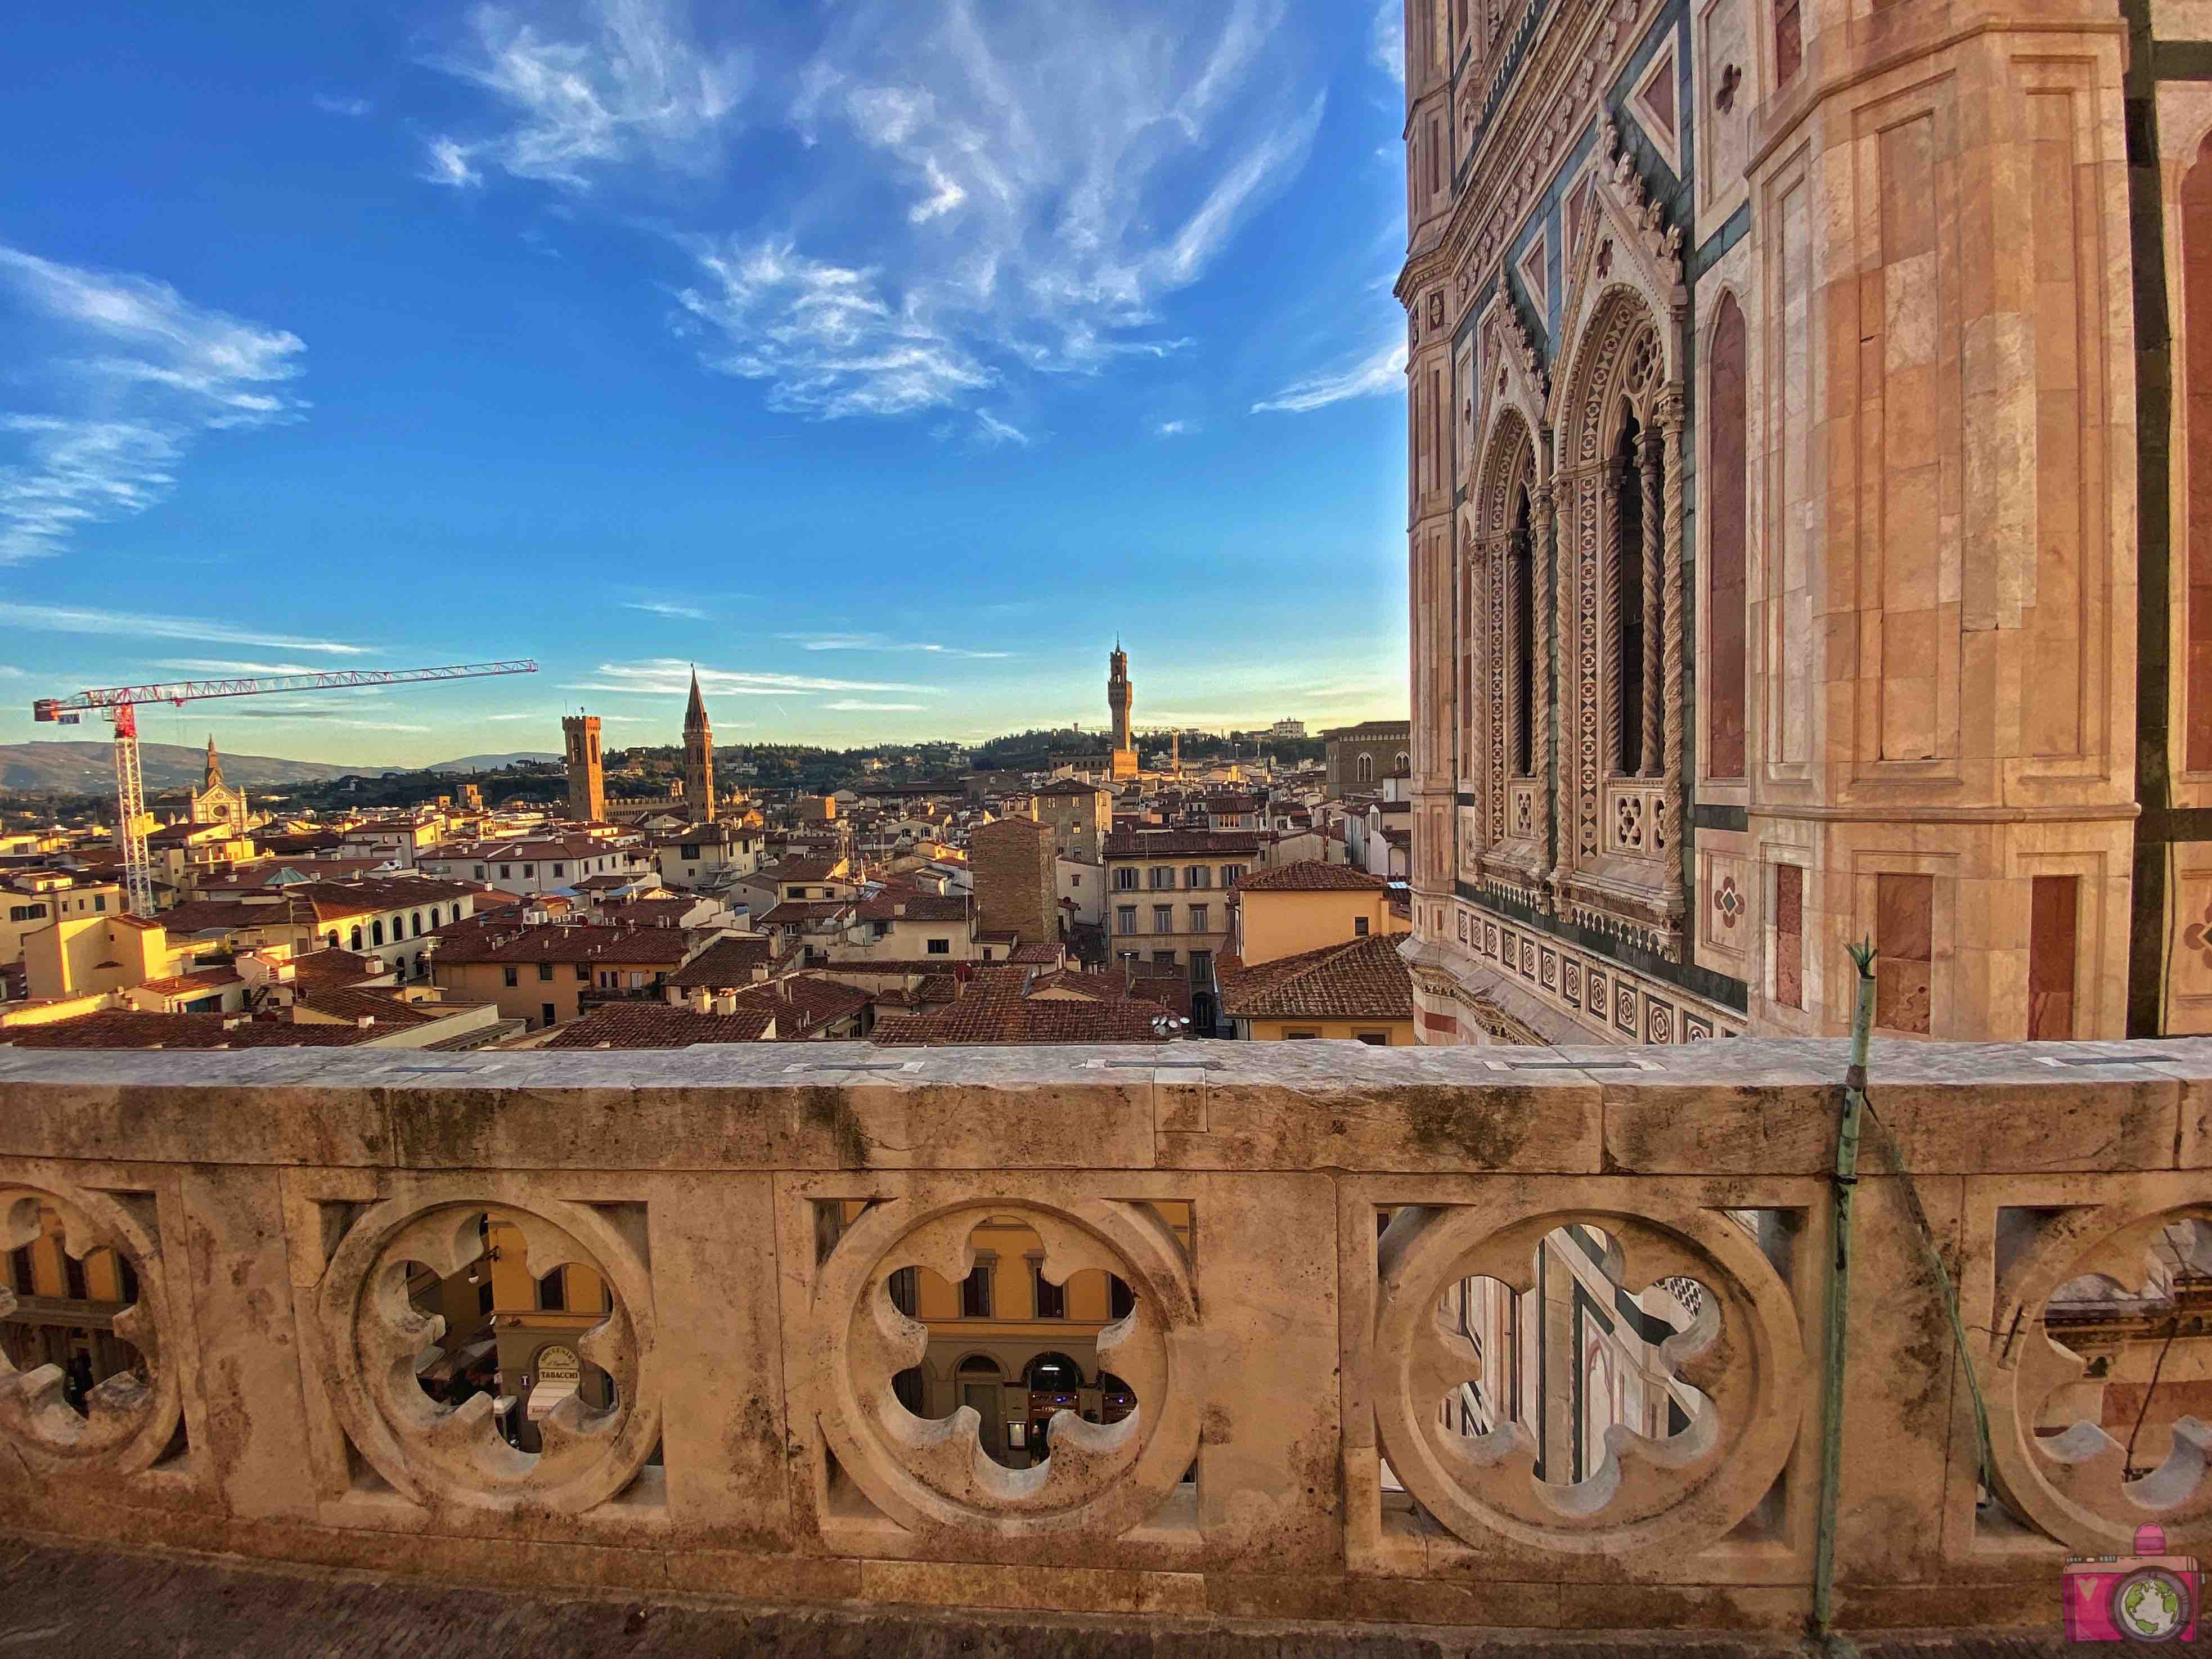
x,y
1016,879
1289,1360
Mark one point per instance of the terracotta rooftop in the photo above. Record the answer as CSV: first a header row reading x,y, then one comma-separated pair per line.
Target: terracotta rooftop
x,y
116,1029
728,962
1366,979
652,1026
332,966
568,942
1167,843
900,906
1310,876
1005,1016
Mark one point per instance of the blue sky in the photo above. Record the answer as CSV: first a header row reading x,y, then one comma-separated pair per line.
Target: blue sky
x,y
883,357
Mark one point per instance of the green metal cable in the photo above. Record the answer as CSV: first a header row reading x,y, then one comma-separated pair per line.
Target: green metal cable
x,y
1840,1295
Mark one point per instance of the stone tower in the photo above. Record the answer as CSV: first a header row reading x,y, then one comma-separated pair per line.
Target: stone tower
x,y
587,784
1119,692
1774,521
698,758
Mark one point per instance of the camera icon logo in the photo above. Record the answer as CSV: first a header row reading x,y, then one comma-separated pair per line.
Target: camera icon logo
x,y
2148,1597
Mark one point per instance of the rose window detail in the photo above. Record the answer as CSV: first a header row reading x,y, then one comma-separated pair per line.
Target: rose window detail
x,y
435,1453
2087,1465
1097,1479
1716,1379
104,1255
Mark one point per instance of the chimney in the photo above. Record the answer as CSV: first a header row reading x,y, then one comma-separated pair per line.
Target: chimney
x,y
700,1000
365,1022
726,1003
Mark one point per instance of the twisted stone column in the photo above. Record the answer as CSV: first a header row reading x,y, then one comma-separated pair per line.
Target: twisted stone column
x,y
1653,530
1670,811
1543,670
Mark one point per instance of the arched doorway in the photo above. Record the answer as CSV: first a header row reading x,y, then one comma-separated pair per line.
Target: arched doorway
x,y
1056,1384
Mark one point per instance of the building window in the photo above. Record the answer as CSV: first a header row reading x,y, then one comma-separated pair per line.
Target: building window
x,y
508,975
506,872
99,902
1300,1037
1121,1300
584,972
905,1286
1198,918
940,947
1051,1298
975,1293
559,869
1125,918
1125,880
1788,42
1905,930
2053,906
1197,876
1359,928
21,1272
1163,877
1374,1039
1231,874
544,971
1201,967
553,1291
546,1016
480,872
1163,918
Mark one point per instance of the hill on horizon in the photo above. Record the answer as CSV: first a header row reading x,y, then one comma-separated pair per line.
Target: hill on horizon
x,y
492,763
89,767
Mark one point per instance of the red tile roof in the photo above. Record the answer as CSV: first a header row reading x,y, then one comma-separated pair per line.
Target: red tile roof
x,y
1173,843
1366,979
1310,876
553,941
1005,1019
121,1030
648,1025
728,962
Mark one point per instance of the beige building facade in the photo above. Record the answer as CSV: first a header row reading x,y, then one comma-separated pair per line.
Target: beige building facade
x,y
1774,507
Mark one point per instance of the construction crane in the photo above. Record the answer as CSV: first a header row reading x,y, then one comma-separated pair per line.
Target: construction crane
x,y
120,704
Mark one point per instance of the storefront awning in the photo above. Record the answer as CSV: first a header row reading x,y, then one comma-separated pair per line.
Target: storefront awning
x,y
545,1396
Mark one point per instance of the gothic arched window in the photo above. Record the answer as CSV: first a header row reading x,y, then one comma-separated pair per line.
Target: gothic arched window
x,y
1522,619
1627,594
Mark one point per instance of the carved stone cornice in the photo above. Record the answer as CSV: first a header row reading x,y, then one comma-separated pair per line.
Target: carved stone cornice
x,y
1558,86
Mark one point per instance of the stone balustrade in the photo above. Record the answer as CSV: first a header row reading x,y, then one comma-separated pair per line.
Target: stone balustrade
x,y
1294,1452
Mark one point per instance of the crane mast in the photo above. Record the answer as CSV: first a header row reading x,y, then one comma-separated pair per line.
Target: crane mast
x,y
120,704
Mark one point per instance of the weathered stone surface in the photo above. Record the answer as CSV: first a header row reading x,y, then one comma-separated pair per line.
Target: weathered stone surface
x,y
1287,1346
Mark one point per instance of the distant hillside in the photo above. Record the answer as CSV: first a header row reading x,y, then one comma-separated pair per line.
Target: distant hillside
x,y
490,763
89,768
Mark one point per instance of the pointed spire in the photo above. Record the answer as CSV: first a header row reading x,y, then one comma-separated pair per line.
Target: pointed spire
x,y
695,711
212,777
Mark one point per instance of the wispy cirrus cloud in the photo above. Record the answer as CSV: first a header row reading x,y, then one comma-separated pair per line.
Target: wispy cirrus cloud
x,y
852,706
85,619
885,642
620,81
670,676
332,103
1386,39
666,608
225,668
1383,372
122,375
1056,175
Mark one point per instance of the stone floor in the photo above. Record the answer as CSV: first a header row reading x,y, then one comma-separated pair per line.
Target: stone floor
x,y
59,1602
